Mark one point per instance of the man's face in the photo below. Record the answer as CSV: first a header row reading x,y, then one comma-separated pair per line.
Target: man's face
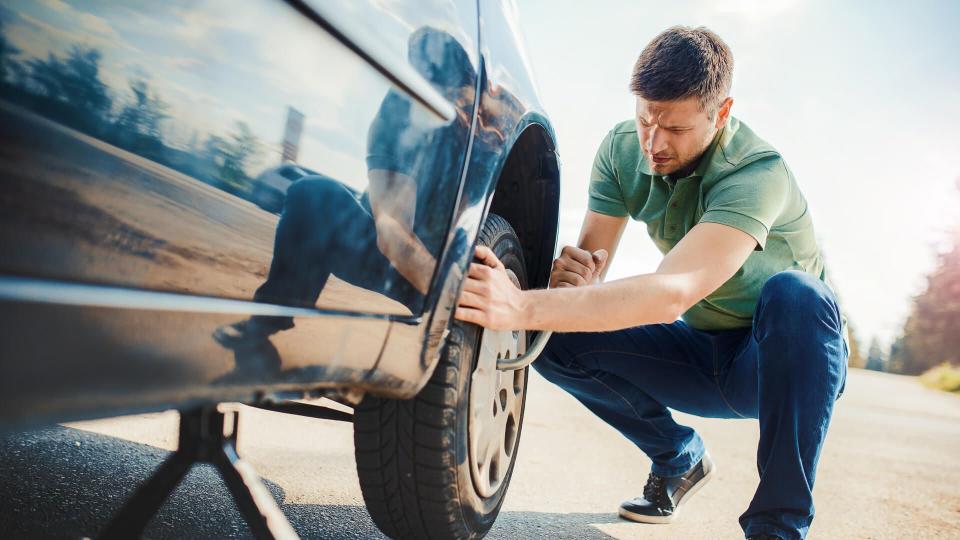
x,y
674,134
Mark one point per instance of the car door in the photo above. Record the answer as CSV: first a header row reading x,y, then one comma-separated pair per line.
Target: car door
x,y
139,269
135,135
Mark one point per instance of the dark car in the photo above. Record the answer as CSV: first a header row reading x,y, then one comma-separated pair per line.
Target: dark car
x,y
269,189
142,267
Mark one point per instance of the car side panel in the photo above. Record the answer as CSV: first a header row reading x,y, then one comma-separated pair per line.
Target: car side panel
x,y
129,247
65,362
508,106
132,145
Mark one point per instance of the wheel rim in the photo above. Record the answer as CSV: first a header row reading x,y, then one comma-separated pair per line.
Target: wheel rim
x,y
496,399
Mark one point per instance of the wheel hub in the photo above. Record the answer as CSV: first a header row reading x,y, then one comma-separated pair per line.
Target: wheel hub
x,y
496,399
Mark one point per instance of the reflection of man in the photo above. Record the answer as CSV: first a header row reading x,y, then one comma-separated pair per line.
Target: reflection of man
x,y
761,334
383,239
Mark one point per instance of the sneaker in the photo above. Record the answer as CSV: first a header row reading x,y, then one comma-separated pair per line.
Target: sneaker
x,y
662,495
242,334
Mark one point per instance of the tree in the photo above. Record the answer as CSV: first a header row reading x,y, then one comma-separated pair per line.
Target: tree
x,y
234,154
7,64
875,356
856,358
138,125
931,335
75,94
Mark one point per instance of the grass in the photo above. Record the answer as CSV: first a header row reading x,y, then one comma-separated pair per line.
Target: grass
x,y
943,377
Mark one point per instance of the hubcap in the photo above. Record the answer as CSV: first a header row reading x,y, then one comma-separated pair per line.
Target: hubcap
x,y
496,398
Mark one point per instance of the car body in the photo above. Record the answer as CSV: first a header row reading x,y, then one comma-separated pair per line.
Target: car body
x,y
270,187
134,137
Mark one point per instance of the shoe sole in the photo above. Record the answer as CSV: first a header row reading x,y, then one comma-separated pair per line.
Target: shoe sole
x,y
641,518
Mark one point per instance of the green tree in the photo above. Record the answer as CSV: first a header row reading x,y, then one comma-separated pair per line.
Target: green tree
x,y
234,154
72,87
875,356
138,124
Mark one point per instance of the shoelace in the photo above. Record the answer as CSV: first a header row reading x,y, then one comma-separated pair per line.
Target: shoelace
x,y
655,492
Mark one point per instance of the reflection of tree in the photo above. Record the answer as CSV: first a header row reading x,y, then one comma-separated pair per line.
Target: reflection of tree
x,y
68,89
138,125
8,67
234,154
72,86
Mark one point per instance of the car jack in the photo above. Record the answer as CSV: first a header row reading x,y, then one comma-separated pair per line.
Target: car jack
x,y
202,440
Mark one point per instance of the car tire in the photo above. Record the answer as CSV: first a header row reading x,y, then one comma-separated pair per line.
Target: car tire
x,y
427,465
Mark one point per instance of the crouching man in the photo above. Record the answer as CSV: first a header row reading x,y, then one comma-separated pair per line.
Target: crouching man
x,y
737,320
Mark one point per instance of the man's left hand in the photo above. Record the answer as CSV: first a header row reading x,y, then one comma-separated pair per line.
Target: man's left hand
x,y
489,298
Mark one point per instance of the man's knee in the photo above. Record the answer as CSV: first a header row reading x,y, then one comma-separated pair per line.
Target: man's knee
x,y
793,300
319,191
796,309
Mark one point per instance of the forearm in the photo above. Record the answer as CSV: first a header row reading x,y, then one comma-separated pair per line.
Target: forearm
x,y
412,260
624,303
393,199
601,232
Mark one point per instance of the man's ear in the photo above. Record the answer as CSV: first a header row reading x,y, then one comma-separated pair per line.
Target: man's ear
x,y
723,112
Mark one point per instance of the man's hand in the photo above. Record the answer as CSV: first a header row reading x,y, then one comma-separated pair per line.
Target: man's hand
x,y
489,298
575,267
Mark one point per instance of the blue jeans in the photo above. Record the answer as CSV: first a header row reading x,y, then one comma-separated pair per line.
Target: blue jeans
x,y
786,370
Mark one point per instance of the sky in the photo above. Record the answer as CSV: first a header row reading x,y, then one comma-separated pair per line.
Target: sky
x,y
215,63
862,99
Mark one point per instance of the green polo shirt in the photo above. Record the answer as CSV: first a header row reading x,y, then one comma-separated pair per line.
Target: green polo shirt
x,y
741,182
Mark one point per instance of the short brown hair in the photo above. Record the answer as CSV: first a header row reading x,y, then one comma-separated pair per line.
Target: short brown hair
x,y
682,62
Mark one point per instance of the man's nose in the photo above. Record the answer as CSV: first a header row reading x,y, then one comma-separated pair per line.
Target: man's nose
x,y
656,142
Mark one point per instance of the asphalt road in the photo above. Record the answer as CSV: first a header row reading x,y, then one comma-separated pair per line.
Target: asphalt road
x,y
889,470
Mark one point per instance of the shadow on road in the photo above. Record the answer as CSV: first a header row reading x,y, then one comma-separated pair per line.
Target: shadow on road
x,y
64,483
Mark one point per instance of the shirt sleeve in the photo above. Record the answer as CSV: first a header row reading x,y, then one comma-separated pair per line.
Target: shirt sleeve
x,y
384,149
751,199
605,194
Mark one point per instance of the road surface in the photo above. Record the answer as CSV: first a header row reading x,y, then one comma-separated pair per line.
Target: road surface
x,y
889,470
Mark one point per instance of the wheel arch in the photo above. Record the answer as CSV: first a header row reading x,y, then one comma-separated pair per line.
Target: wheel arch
x,y
527,194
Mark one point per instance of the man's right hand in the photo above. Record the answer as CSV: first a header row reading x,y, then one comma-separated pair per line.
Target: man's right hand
x,y
575,267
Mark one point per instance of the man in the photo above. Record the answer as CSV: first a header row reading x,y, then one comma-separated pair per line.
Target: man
x,y
761,334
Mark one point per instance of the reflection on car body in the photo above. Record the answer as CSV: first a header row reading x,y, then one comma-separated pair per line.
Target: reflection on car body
x,y
242,202
270,187
327,228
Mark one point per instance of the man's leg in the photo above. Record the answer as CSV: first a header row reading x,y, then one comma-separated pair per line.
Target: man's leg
x,y
323,229
629,377
795,365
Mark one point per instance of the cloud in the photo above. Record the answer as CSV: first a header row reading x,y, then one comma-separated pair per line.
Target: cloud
x,y
96,24
50,35
57,5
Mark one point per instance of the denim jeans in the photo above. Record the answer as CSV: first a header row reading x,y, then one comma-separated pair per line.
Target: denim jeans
x,y
786,370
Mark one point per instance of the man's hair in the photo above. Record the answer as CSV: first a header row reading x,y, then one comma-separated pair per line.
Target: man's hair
x,y
682,62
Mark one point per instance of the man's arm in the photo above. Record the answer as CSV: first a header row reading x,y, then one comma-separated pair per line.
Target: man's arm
x,y
587,262
704,259
393,200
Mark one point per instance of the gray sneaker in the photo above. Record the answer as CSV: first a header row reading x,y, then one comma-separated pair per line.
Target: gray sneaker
x,y
662,496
